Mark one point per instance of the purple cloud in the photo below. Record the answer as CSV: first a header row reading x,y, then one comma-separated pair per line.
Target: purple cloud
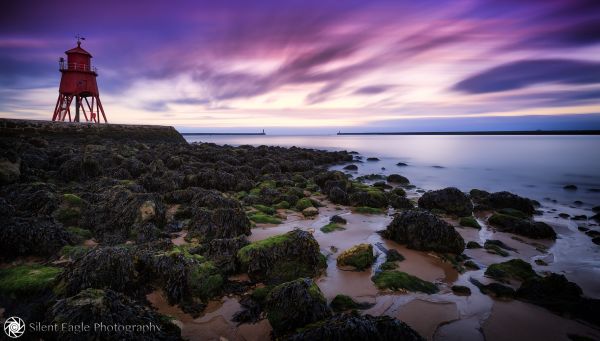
x,y
520,74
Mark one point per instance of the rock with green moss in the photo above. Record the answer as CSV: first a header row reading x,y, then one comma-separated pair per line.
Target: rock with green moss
x,y
303,204
265,209
368,210
469,222
330,227
32,236
523,227
282,258
473,245
295,304
373,197
496,290
514,212
118,212
495,249
398,280
461,290
95,306
513,269
27,279
79,233
352,326
359,257
556,293
342,303
74,252
502,200
102,268
389,265
398,179
421,230
261,218
310,211
282,205
471,265
450,200
222,252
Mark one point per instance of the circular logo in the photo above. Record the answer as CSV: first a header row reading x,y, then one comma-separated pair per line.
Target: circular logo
x,y
14,327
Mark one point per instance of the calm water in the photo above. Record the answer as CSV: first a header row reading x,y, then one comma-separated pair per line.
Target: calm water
x,y
534,166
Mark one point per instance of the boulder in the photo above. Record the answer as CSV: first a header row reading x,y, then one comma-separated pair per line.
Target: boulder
x,y
450,200
337,220
31,236
102,268
399,202
352,326
500,200
282,257
295,304
372,198
10,170
523,227
118,211
351,167
421,230
398,179
556,293
513,269
338,196
218,223
359,257
111,309
310,211
223,252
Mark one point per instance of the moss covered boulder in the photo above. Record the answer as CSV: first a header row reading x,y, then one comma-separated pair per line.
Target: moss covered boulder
x,y
358,257
421,230
398,280
555,292
523,227
353,326
102,268
295,304
503,200
27,280
513,269
398,179
450,200
469,222
370,198
344,303
282,258
110,308
31,236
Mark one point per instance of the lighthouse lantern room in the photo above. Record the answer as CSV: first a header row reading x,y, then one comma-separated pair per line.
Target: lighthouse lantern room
x,y
78,86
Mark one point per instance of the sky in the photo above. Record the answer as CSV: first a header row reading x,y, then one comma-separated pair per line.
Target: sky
x,y
314,66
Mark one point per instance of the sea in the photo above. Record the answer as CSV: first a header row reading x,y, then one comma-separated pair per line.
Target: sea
x,y
538,167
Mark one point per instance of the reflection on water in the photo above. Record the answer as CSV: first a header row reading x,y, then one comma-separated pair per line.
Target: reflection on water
x,y
534,166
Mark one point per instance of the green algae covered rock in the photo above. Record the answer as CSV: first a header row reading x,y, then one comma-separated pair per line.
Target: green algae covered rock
x,y
359,257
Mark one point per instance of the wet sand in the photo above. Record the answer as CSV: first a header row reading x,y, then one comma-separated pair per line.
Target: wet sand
x,y
521,321
215,323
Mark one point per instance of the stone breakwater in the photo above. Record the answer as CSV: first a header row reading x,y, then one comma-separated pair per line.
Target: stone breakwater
x,y
89,131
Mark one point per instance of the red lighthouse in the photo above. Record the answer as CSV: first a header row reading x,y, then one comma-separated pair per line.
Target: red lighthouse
x,y
78,84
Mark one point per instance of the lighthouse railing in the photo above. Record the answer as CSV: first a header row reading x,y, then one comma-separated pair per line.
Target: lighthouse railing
x,y
77,67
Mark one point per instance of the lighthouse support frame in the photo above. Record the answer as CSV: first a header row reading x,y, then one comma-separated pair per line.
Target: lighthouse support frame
x,y
62,110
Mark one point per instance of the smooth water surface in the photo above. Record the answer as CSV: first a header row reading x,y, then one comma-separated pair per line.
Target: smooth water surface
x,y
533,166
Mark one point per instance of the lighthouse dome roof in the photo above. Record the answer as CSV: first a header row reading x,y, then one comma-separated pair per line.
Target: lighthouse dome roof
x,y
78,50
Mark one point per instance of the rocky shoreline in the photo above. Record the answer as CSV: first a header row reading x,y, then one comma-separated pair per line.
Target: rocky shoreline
x,y
95,219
